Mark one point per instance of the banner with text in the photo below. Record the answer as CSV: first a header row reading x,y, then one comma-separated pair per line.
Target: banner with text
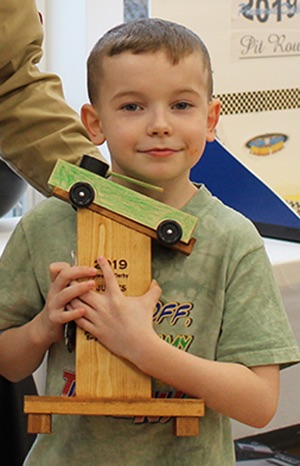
x,y
265,28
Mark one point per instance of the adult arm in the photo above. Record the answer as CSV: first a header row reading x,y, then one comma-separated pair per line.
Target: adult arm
x,y
37,125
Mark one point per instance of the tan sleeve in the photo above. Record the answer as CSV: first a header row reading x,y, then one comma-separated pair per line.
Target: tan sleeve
x,y
37,127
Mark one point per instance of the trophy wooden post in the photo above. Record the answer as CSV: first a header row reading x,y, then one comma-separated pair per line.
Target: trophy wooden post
x,y
119,224
129,252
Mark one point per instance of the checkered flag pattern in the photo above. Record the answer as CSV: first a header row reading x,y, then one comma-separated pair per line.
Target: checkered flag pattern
x,y
259,101
295,205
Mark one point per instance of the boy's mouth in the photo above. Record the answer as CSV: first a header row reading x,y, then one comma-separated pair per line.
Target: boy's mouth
x,y
160,151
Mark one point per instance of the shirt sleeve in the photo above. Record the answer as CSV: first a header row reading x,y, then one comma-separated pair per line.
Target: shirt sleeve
x,y
21,298
37,125
255,329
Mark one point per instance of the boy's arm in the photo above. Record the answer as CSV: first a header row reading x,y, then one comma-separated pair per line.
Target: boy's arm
x,y
23,348
22,351
249,395
36,125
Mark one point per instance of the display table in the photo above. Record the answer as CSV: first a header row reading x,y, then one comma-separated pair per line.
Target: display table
x,y
285,259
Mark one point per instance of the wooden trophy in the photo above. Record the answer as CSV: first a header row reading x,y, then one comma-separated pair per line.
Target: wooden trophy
x,y
118,223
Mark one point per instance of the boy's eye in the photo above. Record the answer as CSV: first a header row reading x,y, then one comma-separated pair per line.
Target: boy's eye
x,y
131,107
181,105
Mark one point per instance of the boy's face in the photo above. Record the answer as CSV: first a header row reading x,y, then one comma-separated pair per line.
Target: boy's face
x,y
155,116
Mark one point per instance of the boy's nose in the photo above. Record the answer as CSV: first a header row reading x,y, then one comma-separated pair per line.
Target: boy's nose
x,y
159,125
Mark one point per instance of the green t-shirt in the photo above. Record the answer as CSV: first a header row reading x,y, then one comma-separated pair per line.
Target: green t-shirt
x,y
220,303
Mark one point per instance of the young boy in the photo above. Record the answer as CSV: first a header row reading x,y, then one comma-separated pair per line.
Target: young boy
x,y
150,86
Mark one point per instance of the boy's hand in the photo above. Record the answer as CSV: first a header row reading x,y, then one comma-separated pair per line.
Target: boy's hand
x,y
64,288
119,322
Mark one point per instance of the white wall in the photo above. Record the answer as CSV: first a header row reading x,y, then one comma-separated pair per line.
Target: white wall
x,y
71,29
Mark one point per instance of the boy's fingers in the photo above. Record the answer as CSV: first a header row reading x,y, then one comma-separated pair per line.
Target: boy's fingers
x,y
108,274
154,291
111,283
79,288
55,268
65,273
72,314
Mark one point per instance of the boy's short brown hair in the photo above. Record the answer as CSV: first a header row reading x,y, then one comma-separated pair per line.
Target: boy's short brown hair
x,y
145,36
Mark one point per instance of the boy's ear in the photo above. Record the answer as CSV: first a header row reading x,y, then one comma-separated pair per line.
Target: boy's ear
x,y
92,123
213,118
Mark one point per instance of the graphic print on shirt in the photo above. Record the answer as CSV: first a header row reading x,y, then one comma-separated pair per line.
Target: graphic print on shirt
x,y
165,318
172,321
70,383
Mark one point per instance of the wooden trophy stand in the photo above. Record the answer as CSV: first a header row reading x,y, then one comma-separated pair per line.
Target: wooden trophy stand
x,y
117,223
